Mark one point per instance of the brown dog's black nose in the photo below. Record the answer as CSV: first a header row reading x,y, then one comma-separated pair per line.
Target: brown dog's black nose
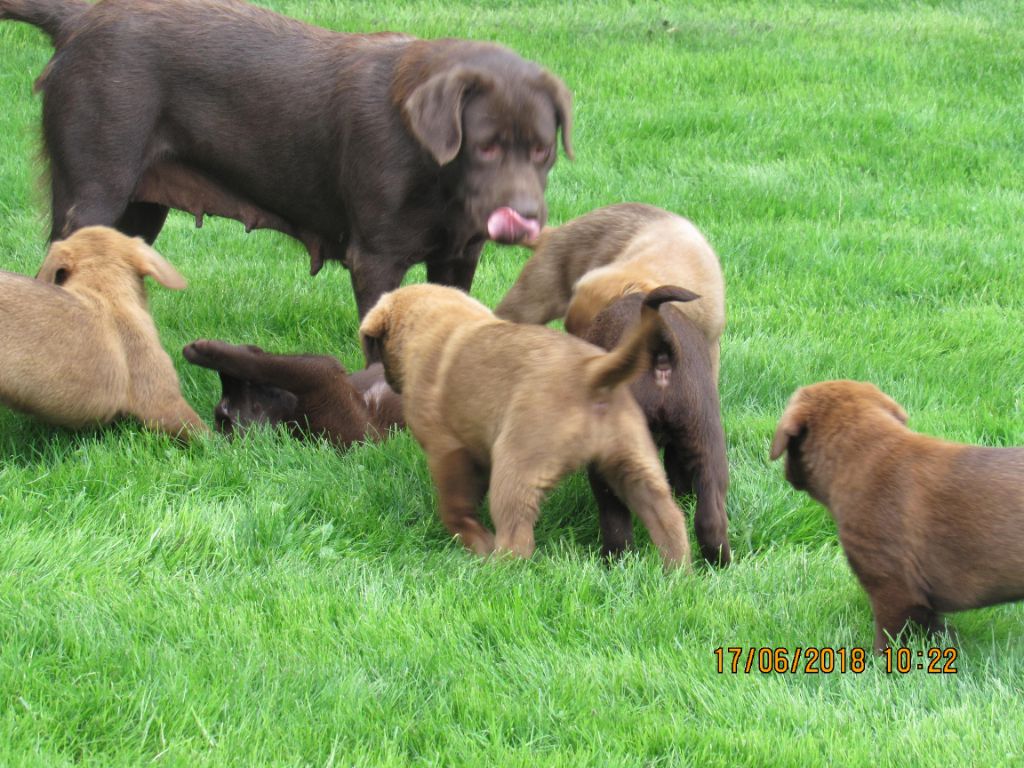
x,y
222,418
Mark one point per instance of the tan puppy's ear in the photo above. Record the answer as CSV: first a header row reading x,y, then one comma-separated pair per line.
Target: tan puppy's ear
x,y
375,327
792,423
149,262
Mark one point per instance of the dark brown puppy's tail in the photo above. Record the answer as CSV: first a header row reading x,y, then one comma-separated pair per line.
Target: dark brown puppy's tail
x,y
57,18
633,355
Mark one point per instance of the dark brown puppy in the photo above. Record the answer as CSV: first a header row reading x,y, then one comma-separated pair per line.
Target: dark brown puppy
x,y
311,394
380,151
510,409
927,525
679,397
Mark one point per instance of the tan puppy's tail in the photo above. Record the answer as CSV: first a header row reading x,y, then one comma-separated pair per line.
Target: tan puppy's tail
x,y
57,18
633,355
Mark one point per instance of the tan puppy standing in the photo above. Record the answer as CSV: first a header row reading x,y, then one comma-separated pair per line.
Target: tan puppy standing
x,y
927,525
515,408
581,267
78,346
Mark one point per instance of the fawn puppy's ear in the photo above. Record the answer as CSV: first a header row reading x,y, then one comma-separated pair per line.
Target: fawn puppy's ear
x,y
150,263
374,328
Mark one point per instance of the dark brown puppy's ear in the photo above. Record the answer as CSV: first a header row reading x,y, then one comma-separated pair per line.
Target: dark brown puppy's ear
x,y
562,100
434,111
792,423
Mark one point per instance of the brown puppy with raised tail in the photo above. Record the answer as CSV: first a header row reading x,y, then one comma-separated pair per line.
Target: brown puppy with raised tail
x,y
379,150
514,408
78,346
582,266
310,394
680,400
927,525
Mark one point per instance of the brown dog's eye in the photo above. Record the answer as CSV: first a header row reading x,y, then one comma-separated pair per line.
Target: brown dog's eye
x,y
540,154
490,151
61,276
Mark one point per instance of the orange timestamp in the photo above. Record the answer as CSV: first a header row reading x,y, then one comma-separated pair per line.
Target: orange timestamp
x,y
825,660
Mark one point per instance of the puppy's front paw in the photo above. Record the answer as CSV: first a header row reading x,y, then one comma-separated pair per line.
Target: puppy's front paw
x,y
207,352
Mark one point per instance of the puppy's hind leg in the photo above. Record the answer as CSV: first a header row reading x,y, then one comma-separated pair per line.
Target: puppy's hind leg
x,y
709,481
516,493
614,517
175,418
637,478
461,486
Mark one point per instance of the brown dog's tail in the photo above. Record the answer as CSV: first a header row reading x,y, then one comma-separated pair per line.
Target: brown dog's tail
x,y
633,355
57,18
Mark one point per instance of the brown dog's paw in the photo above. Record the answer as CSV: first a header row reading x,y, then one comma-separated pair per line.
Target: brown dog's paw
x,y
211,353
198,352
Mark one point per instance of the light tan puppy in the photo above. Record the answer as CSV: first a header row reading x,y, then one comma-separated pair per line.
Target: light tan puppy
x,y
583,266
927,525
518,407
77,344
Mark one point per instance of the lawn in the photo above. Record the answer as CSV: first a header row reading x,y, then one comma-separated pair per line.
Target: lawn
x,y
856,165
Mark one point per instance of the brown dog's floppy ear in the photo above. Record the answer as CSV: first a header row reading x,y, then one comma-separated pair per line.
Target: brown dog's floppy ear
x,y
149,262
896,410
434,111
562,100
792,423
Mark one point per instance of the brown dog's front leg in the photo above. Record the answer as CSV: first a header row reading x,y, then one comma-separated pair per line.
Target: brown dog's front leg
x,y
295,373
614,517
373,275
895,611
461,485
457,272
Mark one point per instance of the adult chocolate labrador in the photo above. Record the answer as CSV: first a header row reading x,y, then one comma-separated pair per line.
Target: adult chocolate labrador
x,y
380,151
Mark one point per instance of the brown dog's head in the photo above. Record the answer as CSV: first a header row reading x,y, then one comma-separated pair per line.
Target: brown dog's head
x,y
823,416
242,402
416,310
490,119
103,261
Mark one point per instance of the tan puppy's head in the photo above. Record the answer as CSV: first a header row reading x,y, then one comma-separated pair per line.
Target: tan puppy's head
x,y
598,289
103,261
823,418
414,312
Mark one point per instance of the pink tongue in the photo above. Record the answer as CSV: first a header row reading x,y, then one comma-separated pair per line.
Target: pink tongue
x,y
505,225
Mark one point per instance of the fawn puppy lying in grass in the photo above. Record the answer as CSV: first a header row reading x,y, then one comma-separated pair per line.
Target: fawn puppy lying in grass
x,y
679,398
311,394
514,408
600,256
927,525
77,344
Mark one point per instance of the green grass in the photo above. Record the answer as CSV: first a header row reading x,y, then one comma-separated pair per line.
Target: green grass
x,y
858,168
